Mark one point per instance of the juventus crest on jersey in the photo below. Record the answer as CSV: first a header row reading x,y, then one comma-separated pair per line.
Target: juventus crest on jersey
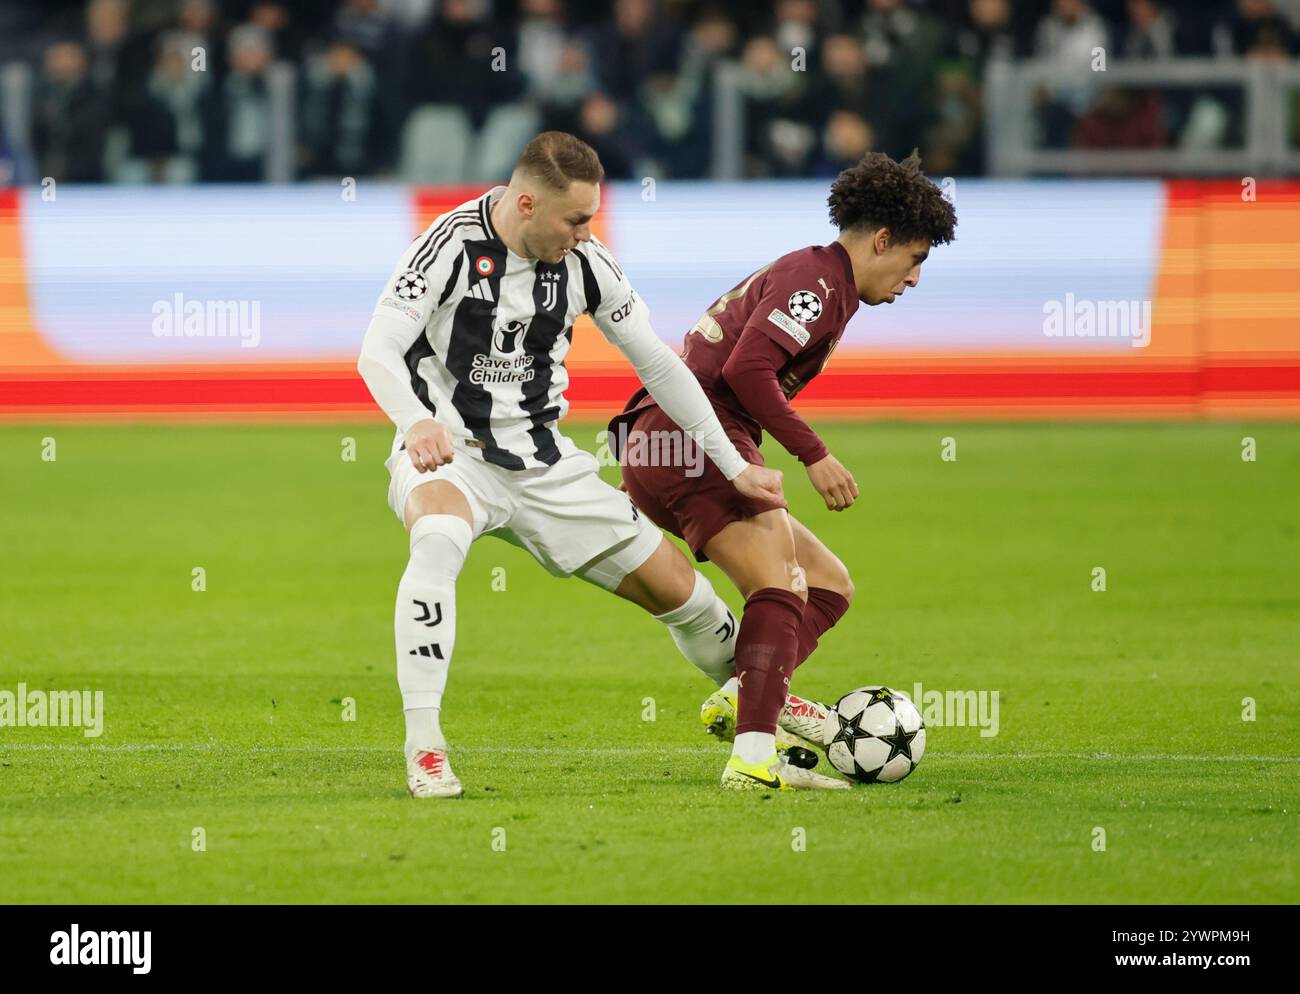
x,y
493,330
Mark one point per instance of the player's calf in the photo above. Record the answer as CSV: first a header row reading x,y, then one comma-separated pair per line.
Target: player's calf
x,y
683,599
830,588
424,628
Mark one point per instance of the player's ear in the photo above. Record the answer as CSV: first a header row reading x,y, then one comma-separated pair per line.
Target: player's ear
x,y
526,204
880,241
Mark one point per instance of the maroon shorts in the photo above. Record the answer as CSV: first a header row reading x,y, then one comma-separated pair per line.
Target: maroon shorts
x,y
689,497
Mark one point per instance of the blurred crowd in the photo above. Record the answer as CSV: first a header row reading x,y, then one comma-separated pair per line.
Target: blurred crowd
x,y
182,90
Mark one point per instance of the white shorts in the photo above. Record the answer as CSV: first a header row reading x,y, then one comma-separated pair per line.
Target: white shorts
x,y
568,518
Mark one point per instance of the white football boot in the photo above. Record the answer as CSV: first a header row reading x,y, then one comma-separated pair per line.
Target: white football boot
x,y
799,725
802,779
428,774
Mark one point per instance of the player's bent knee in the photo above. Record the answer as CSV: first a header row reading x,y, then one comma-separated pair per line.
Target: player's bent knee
x,y
844,585
778,574
436,497
831,574
663,583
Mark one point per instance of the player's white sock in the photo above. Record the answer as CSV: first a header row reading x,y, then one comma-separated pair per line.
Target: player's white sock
x,y
754,747
423,730
424,623
705,631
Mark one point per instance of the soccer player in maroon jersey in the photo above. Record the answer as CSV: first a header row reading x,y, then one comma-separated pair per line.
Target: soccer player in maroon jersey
x,y
753,351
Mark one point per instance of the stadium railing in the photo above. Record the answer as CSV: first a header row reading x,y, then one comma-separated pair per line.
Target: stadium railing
x,y
1267,89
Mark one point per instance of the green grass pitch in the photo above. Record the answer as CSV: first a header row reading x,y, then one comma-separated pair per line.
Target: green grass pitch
x,y
1120,710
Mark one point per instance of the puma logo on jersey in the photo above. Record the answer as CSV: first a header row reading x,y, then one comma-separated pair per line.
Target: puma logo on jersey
x,y
829,289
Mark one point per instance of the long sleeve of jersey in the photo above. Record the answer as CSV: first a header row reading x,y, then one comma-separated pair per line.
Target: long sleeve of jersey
x,y
624,319
382,365
397,322
751,372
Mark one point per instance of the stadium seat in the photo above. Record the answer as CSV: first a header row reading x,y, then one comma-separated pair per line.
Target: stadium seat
x,y
176,170
505,132
435,145
117,150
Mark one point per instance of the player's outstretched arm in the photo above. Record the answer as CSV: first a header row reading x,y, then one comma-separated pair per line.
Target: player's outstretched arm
x,y
624,320
675,388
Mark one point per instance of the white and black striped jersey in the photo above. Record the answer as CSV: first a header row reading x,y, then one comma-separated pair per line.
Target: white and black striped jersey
x,y
489,330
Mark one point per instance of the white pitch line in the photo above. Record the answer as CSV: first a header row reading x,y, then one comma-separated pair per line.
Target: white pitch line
x,y
140,747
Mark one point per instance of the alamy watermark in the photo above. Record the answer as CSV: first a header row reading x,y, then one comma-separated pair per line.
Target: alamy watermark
x,y
102,948
192,318
53,709
958,708
667,447
1080,318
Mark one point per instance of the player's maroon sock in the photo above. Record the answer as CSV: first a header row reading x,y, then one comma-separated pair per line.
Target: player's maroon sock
x,y
825,607
765,657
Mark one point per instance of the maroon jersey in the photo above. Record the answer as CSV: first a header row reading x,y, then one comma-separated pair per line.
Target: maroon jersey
x,y
801,303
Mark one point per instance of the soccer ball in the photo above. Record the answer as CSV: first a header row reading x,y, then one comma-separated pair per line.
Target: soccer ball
x,y
874,735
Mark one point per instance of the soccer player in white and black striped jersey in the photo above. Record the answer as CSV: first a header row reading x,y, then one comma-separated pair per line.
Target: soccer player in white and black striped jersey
x,y
465,353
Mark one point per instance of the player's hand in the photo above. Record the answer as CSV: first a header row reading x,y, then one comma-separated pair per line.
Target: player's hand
x,y
760,483
834,483
428,443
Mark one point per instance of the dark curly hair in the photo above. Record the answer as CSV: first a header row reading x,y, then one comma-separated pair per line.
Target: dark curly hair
x,y
881,193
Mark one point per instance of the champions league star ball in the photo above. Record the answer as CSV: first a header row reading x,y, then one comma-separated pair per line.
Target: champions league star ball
x,y
411,285
805,306
874,735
